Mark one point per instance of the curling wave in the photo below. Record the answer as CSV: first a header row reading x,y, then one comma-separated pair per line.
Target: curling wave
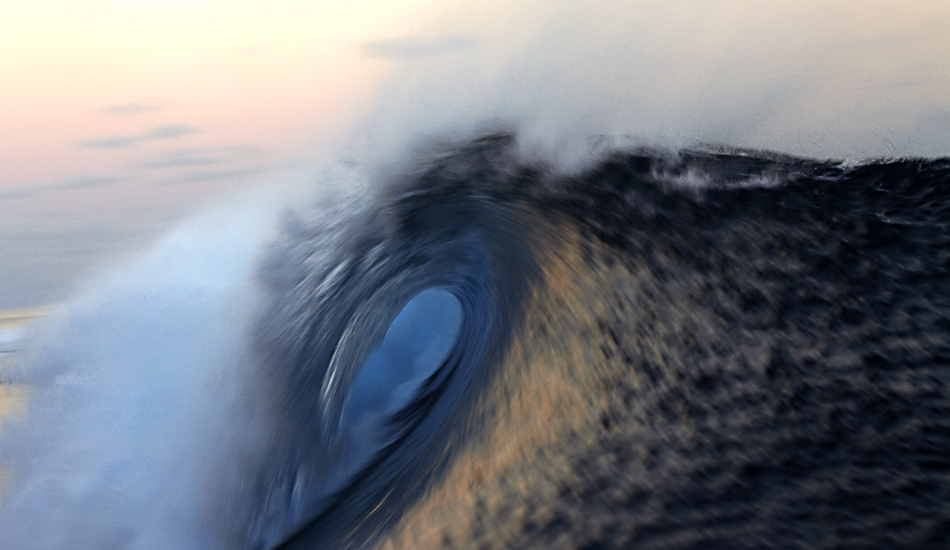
x,y
704,348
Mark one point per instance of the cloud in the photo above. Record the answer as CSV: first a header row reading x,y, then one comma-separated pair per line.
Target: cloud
x,y
130,109
87,182
19,192
165,131
203,156
168,131
112,142
183,158
411,48
82,182
198,176
201,164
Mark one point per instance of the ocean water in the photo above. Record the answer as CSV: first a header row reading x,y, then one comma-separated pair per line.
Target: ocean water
x,y
671,349
562,296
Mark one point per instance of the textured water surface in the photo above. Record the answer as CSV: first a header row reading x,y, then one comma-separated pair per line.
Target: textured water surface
x,y
709,348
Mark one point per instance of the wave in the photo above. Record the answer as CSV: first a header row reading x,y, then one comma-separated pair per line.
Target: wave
x,y
708,347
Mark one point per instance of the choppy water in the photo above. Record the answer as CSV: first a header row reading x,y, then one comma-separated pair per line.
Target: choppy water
x,y
710,348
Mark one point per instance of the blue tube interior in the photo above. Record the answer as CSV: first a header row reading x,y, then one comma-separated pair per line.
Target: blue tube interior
x,y
415,346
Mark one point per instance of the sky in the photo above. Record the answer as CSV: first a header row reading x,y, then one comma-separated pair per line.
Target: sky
x,y
117,119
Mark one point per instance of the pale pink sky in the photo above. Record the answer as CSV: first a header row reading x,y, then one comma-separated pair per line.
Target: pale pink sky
x,y
109,89
116,117
103,87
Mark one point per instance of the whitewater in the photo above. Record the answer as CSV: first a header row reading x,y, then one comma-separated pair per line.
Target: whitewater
x,y
533,305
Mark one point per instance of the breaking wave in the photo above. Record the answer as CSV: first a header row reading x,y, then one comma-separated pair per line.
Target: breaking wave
x,y
477,347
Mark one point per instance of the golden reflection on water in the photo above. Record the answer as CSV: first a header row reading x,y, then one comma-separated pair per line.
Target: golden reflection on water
x,y
13,396
12,404
14,318
12,401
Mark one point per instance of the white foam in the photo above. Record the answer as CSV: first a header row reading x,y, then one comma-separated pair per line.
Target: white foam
x,y
134,389
818,78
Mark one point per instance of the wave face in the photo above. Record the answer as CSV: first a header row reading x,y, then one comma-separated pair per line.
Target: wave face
x,y
693,349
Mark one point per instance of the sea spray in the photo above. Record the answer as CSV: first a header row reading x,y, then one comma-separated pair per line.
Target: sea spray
x,y
134,393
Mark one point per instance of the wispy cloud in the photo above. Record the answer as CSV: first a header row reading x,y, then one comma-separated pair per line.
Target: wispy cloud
x,y
181,159
130,109
169,131
112,142
203,175
203,156
19,192
202,164
165,131
90,181
81,182
410,48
